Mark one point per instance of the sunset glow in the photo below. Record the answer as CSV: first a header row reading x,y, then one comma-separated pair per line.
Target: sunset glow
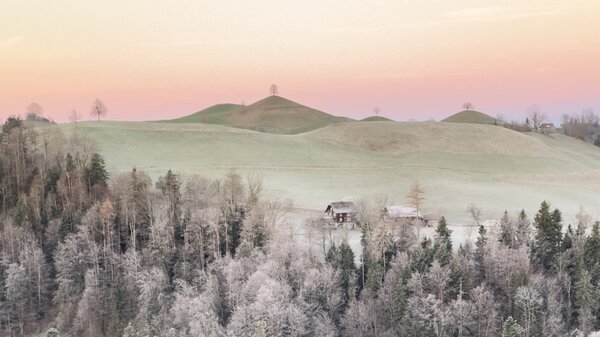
x,y
152,60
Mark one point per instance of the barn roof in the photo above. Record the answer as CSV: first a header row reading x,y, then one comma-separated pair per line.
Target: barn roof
x,y
342,207
398,211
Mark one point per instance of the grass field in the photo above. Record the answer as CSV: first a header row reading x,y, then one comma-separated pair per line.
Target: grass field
x,y
458,164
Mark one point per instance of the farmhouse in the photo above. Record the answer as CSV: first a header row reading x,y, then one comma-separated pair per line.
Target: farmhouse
x,y
547,126
342,212
397,213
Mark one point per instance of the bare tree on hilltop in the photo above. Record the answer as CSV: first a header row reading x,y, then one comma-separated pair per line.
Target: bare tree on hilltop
x,y
98,109
536,116
376,111
34,111
274,90
468,106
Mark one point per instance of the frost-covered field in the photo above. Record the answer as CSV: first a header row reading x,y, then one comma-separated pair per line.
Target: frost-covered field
x,y
458,164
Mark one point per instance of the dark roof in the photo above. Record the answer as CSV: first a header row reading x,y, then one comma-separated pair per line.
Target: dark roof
x,y
342,207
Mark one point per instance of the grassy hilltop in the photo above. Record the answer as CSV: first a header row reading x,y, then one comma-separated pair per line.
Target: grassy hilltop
x,y
471,116
273,114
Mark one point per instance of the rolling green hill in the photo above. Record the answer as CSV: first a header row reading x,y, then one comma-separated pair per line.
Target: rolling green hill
x,y
273,114
471,116
376,119
457,164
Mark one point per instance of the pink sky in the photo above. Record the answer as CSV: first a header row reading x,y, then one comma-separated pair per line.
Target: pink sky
x,y
152,60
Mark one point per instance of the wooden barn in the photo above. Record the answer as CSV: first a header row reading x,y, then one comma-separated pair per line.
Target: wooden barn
x,y
341,212
397,213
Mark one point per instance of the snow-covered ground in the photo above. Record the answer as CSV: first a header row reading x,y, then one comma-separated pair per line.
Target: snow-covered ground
x,y
295,222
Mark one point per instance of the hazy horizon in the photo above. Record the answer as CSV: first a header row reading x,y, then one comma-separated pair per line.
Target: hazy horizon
x,y
150,61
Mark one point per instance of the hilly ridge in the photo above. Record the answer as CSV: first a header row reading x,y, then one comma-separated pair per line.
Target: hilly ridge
x,y
273,114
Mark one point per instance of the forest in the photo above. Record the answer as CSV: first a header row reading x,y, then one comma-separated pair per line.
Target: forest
x,y
88,254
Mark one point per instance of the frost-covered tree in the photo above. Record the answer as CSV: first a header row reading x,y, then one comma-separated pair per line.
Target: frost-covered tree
x,y
528,302
72,261
507,269
585,300
462,314
88,311
486,312
553,322
438,279
523,229
511,328
273,305
17,293
193,313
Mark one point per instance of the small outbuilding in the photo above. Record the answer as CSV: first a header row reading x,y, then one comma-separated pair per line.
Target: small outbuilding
x,y
341,212
397,213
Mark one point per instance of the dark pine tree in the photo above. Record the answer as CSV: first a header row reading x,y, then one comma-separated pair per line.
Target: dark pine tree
x,y
95,173
548,239
443,243
480,255
523,230
592,254
507,235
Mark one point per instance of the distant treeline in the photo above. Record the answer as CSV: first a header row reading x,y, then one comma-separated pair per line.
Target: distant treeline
x,y
584,126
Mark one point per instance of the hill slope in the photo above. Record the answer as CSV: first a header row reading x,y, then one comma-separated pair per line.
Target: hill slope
x,y
458,164
471,116
273,114
216,114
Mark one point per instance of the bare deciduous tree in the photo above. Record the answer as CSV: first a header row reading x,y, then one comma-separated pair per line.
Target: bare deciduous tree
x,y
376,111
34,111
536,116
274,90
255,187
475,213
468,106
98,109
529,301
416,198
74,116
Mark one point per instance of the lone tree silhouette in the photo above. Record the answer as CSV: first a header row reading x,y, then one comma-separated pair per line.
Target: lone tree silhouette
x,y
468,106
274,89
34,111
376,111
98,109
